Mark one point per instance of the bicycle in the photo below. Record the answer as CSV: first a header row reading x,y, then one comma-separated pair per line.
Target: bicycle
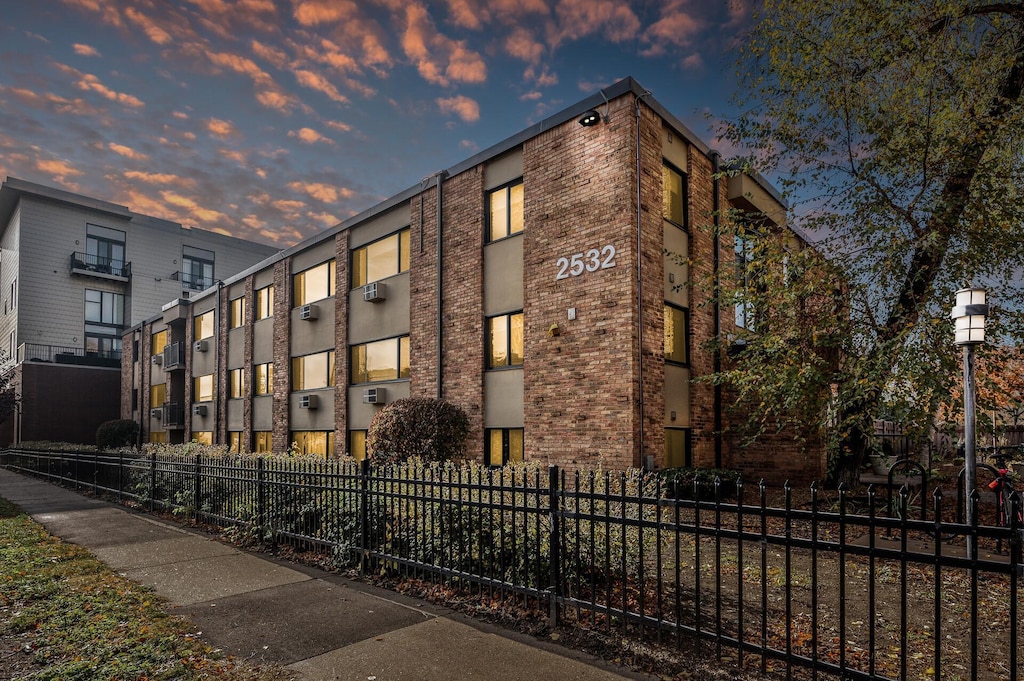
x,y
1002,487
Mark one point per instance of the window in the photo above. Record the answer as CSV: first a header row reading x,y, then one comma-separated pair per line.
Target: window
x,y
505,211
12,345
263,441
196,268
14,293
313,371
236,377
157,395
158,437
235,441
505,340
104,250
381,259
203,437
677,334
264,302
677,447
504,445
315,283
263,379
104,321
318,442
158,342
202,388
237,316
745,312
203,325
385,360
357,444
673,196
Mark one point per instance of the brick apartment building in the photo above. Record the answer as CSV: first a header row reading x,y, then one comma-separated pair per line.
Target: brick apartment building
x,y
527,284
75,272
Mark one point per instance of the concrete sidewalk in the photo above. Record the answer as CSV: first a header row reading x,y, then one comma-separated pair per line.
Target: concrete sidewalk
x,y
318,625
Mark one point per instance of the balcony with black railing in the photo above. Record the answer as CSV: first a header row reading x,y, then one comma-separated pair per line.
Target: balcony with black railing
x,y
59,354
174,415
193,282
174,356
91,265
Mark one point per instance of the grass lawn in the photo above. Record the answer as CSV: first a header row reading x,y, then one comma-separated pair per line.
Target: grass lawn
x,y
65,615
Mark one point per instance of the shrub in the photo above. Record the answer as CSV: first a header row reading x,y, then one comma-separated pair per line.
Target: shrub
x,y
117,433
432,430
679,483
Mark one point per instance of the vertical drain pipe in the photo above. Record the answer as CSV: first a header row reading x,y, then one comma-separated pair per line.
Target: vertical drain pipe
x,y
716,266
441,175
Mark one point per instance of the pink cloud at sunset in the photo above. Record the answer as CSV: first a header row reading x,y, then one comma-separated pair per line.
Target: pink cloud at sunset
x,y
463,107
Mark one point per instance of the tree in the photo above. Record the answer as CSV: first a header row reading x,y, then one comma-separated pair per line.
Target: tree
x,y
9,396
431,429
896,128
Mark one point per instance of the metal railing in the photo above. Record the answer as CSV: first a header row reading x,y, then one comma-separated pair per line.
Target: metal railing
x,y
843,587
193,282
88,263
174,356
60,354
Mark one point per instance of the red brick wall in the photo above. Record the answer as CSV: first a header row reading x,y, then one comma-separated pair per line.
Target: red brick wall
x,y
341,288
423,294
282,353
67,404
247,350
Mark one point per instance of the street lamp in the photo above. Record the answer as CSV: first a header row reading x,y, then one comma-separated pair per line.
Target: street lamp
x,y
969,315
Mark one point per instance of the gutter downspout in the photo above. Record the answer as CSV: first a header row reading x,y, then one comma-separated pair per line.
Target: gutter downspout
x,y
639,281
717,309
441,175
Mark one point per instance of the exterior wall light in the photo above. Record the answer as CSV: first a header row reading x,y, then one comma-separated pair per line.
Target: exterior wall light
x,y
969,312
589,118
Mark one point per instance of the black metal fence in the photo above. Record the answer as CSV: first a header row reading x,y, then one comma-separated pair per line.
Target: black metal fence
x,y
855,587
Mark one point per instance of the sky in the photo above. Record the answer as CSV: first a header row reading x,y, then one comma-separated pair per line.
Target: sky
x,y
273,120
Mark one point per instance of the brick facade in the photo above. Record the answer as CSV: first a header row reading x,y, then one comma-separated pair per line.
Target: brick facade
x,y
282,353
341,354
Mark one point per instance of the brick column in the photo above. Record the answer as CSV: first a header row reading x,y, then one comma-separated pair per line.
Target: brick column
x,y
423,294
250,325
341,355
220,389
282,353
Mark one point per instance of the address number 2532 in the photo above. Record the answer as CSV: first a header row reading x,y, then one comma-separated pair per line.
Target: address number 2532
x,y
591,261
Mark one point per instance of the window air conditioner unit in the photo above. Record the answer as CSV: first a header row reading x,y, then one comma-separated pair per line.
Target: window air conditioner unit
x,y
375,396
309,312
375,292
157,413
200,346
199,410
157,359
309,402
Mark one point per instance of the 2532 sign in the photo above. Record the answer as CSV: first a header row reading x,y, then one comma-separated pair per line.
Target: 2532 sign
x,y
590,261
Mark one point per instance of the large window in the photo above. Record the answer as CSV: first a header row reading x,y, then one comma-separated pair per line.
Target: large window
x,y
157,395
236,378
158,436
677,334
104,249
104,321
673,196
316,283
357,444
237,316
196,268
203,325
505,211
203,437
745,312
385,360
381,259
159,342
235,441
313,371
505,340
263,441
504,445
202,388
264,302
677,447
263,379
318,442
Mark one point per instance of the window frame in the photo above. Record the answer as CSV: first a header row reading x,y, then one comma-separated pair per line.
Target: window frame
x,y
269,368
300,437
157,348
236,317
235,441
264,299
297,373
488,342
236,383
401,373
507,455
351,448
197,326
359,278
686,331
203,437
489,235
106,330
263,441
197,394
304,299
687,446
197,258
684,195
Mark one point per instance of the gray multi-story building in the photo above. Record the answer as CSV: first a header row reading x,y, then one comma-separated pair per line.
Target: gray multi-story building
x,y
75,272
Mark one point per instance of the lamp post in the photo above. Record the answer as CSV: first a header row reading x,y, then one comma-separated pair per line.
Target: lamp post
x,y
969,312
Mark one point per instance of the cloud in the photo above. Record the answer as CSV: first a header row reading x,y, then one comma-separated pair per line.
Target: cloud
x,y
316,12
238,157
522,45
676,28
50,101
195,211
531,96
149,26
276,57
694,62
465,108
160,178
325,219
324,193
90,83
315,81
309,136
127,152
339,125
58,169
614,19
221,128
439,59
85,50
276,99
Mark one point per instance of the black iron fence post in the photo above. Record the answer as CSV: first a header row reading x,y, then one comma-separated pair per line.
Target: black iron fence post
x,y
364,509
554,544
261,496
120,476
197,491
152,480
